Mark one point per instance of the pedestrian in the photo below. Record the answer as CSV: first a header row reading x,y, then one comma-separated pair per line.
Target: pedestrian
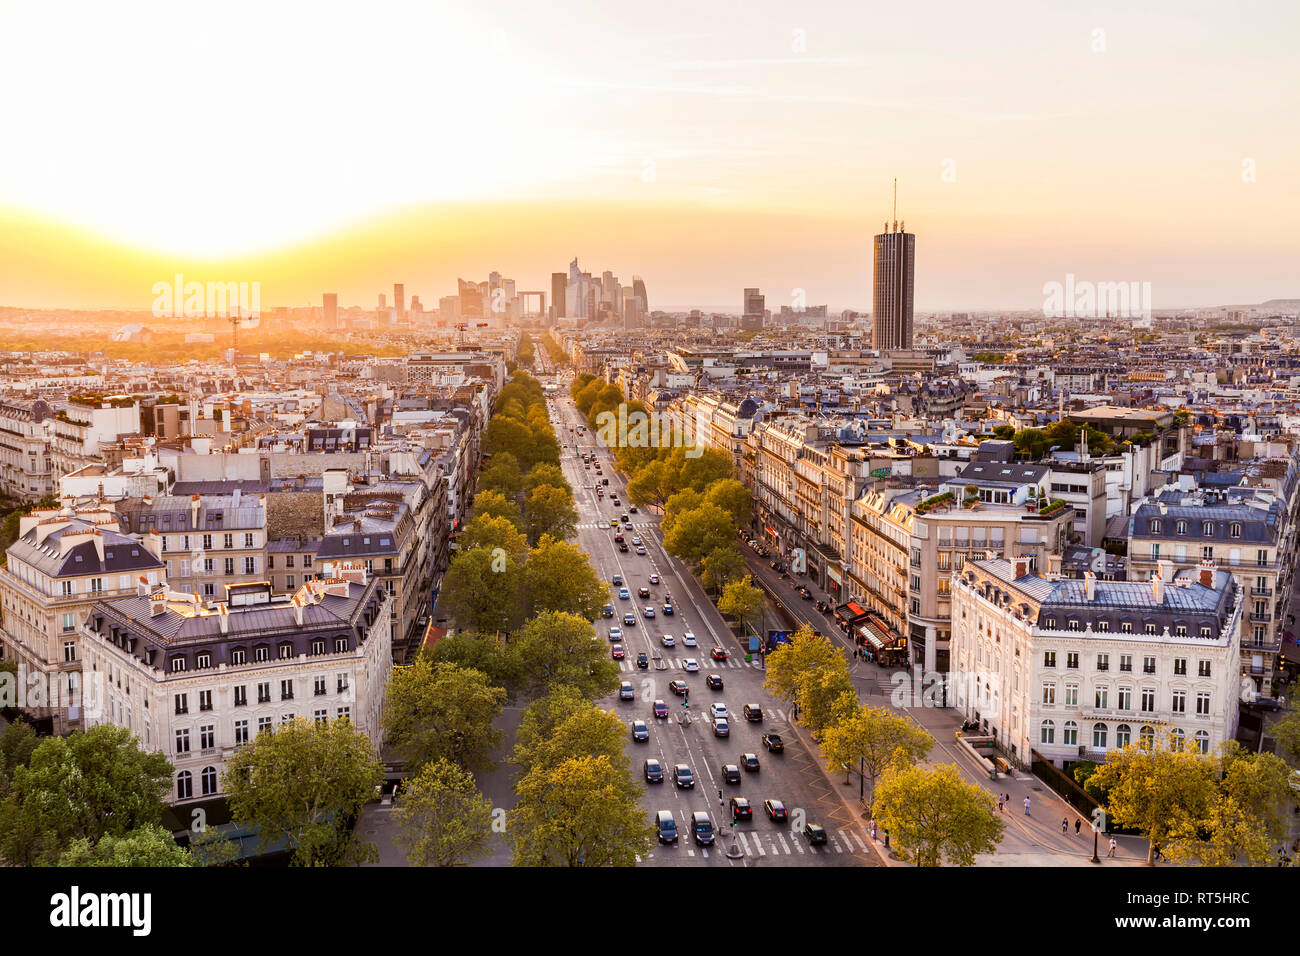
x,y
1078,824
873,830
1113,845
999,803
1065,825
1155,853
1026,806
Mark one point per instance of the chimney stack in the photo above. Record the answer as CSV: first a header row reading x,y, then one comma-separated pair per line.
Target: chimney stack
x,y
1089,585
223,617
1157,588
1021,566
1207,573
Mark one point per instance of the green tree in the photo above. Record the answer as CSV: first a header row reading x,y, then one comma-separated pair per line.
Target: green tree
x,y
789,663
698,532
558,577
870,738
483,591
722,565
587,732
686,500
442,819
1004,431
91,785
742,601
542,717
1030,442
559,649
1247,818
547,474
18,741
936,817
652,485
496,505
734,498
434,711
502,475
588,395
825,696
550,511
505,434
496,658
489,531
584,811
304,784
702,471
1286,732
148,845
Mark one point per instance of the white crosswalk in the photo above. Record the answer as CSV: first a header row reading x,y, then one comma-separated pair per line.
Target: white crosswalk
x,y
591,525
760,844
706,664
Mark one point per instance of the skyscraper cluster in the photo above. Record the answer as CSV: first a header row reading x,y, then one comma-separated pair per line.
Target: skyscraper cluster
x,y
580,295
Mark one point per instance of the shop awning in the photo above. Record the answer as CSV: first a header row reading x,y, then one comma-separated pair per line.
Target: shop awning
x,y
878,635
853,612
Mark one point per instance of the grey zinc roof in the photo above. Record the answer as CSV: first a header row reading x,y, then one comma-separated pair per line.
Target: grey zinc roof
x,y
122,554
1002,472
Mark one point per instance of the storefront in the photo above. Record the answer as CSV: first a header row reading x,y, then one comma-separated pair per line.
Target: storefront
x,y
890,649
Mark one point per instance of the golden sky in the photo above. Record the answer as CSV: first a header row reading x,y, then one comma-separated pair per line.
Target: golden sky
x,y
704,146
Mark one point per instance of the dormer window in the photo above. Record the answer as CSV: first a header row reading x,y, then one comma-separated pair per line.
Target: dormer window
x,y
1154,526
1234,531
1181,527
1207,528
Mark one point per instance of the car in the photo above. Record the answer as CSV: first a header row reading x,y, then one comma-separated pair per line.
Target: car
x,y
754,713
632,509
636,539
616,580
618,538
605,481
668,610
613,522
719,653
643,592
689,639
654,579
815,832
624,594
720,728
678,687
667,640
622,548
649,611
626,519
775,811
690,664
713,682
640,732
640,550
615,634
629,620
730,773
717,710
774,743
642,661
607,611
749,762
616,652
666,826
625,691
660,709
740,809
702,828
684,778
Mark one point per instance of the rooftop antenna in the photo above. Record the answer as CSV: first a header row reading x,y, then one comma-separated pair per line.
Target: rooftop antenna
x,y
895,204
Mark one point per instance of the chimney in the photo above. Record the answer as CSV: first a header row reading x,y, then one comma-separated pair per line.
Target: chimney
x,y
142,586
235,496
1158,588
1166,569
1021,566
1089,585
158,602
297,609
1207,573
195,503
223,617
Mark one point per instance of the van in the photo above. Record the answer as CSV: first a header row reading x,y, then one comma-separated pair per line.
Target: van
x,y
702,827
666,826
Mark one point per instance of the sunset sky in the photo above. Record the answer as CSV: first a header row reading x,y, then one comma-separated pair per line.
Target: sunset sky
x,y
704,146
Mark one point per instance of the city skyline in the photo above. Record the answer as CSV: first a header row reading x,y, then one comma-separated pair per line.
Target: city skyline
x,y
742,151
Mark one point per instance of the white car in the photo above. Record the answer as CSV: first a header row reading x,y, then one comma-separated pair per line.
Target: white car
x,y
688,639
667,641
718,711
615,634
690,664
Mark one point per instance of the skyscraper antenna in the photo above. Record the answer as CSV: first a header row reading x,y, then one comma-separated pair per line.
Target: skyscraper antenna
x,y
895,204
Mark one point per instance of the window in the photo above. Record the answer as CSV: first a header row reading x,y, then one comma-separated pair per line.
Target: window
x,y
1072,624
1203,703
1178,704
340,645
207,737
1178,740
182,704
250,540
1103,625
345,712
1126,662
1181,527
1146,738
1234,531
322,717
1124,698
178,664
182,741
1049,658
209,778
207,542
1207,528
1148,665
286,689
1148,700
342,683
205,700
288,560
1098,736
1049,692
286,719
1180,666
69,652
261,653
286,651
289,581
69,623
1203,669
1205,630
202,660
1071,695
1123,735
1070,734
1103,662
264,692
1180,630
241,696
1207,552
1261,558
1203,741
227,541
250,565
263,725
318,686
1099,696
1149,628
238,656
184,785
96,585
230,566
241,732
67,588
916,582
317,647
1126,627
1153,526
1155,552
1047,732
1072,659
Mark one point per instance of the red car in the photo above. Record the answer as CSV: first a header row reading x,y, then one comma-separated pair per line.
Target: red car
x,y
617,652
719,654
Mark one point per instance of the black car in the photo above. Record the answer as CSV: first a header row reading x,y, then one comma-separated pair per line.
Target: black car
x,y
775,810
714,682
632,509
815,833
643,592
622,547
642,661
749,762
678,687
754,713
682,774
774,743
740,809
730,773
607,611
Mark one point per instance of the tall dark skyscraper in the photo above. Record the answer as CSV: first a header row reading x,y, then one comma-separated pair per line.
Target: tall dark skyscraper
x,y
559,283
399,298
891,307
331,310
